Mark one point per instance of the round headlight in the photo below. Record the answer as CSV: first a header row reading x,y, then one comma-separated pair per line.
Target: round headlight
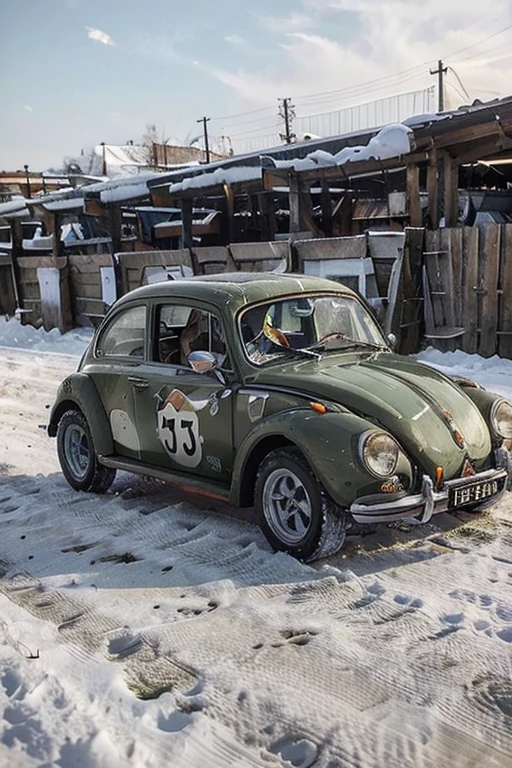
x,y
380,452
501,418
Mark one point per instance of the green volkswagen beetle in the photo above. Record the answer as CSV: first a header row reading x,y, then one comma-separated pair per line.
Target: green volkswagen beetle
x,y
278,392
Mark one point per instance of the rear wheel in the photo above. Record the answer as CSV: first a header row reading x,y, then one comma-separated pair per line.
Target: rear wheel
x,y
294,510
77,455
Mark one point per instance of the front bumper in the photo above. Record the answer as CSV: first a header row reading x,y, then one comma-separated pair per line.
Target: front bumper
x,y
376,509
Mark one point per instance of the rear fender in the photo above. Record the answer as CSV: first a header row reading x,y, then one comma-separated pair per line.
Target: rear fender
x,y
78,391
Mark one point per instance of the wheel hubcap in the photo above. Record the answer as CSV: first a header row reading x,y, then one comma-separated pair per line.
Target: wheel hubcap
x,y
76,447
287,506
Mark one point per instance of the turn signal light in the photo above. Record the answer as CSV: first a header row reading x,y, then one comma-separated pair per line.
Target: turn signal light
x,y
318,407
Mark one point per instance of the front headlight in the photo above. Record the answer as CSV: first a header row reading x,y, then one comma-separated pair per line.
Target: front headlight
x,y
501,418
379,452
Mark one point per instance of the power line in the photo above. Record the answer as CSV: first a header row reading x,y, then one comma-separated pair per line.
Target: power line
x,y
467,96
365,87
242,114
489,37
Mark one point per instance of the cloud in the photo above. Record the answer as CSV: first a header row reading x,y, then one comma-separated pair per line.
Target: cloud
x,y
99,36
27,108
366,50
235,40
293,22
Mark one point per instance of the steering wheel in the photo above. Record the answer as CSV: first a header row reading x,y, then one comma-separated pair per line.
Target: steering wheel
x,y
332,335
174,356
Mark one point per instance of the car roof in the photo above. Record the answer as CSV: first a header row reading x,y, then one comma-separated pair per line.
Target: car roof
x,y
235,287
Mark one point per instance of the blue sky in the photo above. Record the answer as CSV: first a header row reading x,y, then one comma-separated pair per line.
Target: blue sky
x,y
84,71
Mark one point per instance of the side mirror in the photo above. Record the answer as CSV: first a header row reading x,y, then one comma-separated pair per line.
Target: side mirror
x,y
391,340
202,362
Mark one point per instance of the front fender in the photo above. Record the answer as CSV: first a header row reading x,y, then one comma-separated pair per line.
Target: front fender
x,y
484,401
79,391
328,441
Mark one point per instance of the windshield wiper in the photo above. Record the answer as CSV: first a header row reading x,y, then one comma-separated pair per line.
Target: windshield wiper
x,y
346,343
309,353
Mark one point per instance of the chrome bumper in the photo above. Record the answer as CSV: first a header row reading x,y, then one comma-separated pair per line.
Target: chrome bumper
x,y
429,501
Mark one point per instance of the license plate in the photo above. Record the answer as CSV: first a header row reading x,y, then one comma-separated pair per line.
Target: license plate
x,y
471,494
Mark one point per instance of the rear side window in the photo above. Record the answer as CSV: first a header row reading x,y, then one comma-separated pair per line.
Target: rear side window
x,y
124,336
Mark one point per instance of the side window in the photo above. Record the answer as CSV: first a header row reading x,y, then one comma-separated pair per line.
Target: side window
x,y
182,330
124,336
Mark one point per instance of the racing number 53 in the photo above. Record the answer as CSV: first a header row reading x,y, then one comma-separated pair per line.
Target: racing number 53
x,y
179,434
185,425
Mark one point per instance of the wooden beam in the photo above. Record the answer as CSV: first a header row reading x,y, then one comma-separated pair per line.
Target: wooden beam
x,y
186,223
413,195
160,197
325,202
433,191
294,202
230,210
451,190
115,219
268,222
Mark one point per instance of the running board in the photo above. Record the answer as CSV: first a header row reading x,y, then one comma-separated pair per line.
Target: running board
x,y
183,482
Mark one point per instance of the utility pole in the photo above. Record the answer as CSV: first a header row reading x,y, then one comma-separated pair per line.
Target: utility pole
x,y
440,71
205,120
287,113
27,177
104,160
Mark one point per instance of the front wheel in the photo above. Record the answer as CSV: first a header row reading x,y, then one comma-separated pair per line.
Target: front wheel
x,y
77,455
294,511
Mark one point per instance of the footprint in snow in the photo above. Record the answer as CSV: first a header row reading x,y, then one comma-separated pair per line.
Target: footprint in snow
x,y
300,753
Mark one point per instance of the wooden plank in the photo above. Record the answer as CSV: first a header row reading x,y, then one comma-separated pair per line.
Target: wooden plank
x,y
90,260
470,296
86,278
505,315
411,304
413,195
489,269
432,246
34,262
456,246
89,291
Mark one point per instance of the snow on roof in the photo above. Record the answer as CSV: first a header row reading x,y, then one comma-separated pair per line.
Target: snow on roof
x,y
64,205
125,192
119,160
219,176
391,141
16,205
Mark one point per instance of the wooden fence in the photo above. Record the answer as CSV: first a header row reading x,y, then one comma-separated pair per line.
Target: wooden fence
x,y
455,282
468,289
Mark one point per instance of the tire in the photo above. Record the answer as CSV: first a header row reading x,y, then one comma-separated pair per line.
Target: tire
x,y
285,481
77,456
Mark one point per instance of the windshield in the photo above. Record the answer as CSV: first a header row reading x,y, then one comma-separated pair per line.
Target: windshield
x,y
305,325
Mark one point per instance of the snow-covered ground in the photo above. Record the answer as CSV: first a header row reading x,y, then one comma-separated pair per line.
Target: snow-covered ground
x,y
143,629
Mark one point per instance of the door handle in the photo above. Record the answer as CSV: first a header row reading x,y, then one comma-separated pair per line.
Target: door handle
x,y
138,383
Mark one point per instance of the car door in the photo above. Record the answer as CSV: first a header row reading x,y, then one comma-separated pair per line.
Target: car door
x,y
184,419
119,352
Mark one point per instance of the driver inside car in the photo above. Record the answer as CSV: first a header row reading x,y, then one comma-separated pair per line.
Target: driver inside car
x,y
202,332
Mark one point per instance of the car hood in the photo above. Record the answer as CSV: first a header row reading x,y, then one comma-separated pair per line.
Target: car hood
x,y
412,401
